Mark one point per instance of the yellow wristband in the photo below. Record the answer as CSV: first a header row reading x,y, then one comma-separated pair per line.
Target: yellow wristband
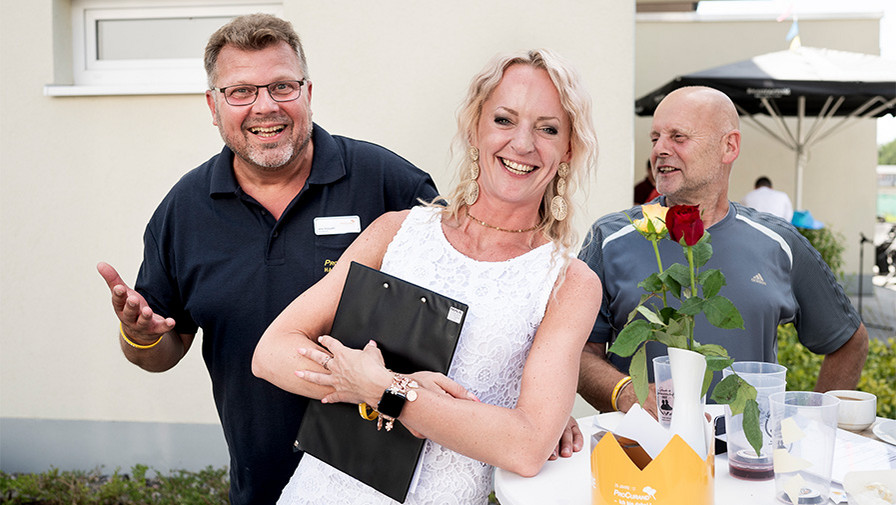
x,y
369,415
135,345
619,385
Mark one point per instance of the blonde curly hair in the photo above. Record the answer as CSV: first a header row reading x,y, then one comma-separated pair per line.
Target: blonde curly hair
x,y
583,141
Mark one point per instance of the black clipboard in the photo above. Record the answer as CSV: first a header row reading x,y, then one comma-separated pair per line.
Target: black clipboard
x,y
416,329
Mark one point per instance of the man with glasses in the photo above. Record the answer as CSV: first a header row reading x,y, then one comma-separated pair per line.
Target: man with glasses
x,y
239,237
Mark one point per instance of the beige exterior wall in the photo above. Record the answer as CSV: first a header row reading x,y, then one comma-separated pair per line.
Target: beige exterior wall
x,y
840,181
80,176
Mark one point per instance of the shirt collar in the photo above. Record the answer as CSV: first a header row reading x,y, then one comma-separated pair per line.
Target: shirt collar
x,y
327,165
729,218
223,181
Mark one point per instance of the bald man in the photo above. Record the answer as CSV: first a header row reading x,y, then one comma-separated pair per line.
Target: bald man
x,y
773,274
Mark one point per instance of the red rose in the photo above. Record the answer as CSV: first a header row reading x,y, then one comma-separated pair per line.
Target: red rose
x,y
684,221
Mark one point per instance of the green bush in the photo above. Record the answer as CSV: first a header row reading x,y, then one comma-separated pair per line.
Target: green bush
x,y
55,487
877,376
803,366
886,153
829,244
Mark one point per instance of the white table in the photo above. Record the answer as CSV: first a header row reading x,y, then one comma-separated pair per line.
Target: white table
x,y
567,481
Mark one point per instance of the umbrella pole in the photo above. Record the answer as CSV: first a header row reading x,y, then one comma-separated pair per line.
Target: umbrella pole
x,y
800,150
862,241
800,167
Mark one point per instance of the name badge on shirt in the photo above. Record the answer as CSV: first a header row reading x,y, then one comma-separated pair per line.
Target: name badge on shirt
x,y
337,225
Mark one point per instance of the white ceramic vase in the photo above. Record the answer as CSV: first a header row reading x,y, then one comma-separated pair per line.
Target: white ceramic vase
x,y
688,422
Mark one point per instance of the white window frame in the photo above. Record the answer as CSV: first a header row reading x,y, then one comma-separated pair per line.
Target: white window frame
x,y
92,76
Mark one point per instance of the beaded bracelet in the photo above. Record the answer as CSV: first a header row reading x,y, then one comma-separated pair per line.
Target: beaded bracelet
x,y
135,345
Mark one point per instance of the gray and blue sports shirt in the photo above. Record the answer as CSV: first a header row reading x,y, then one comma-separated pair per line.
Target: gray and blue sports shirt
x,y
773,276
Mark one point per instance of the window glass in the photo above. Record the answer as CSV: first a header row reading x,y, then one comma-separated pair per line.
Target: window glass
x,y
145,46
136,39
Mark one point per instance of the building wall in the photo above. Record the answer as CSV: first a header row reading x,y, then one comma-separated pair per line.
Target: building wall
x,y
80,176
839,181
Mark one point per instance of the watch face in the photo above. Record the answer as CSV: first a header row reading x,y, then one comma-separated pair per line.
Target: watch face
x,y
391,404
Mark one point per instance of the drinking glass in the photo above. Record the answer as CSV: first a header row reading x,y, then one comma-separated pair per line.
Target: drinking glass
x,y
743,462
804,431
744,368
665,394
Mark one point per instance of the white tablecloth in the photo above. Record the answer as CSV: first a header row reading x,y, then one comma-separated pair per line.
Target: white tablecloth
x,y
567,481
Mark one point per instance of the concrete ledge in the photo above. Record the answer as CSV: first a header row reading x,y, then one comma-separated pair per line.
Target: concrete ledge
x,y
36,445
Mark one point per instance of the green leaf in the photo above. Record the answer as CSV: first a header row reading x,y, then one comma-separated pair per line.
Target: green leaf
x,y
726,390
650,315
721,313
751,425
668,313
717,363
678,273
652,283
716,356
713,350
691,306
735,392
638,371
632,336
707,380
671,284
702,251
745,394
634,312
712,281
670,339
681,326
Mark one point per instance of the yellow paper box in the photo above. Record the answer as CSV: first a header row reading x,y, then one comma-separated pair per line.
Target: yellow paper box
x,y
676,477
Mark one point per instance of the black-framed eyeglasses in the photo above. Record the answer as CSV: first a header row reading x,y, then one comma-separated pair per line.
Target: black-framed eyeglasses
x,y
246,94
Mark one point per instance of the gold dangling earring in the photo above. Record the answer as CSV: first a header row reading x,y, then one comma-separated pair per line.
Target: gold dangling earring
x,y
471,192
559,207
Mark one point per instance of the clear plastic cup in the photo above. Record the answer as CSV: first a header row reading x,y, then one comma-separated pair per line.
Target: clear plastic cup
x,y
743,461
804,430
758,367
665,394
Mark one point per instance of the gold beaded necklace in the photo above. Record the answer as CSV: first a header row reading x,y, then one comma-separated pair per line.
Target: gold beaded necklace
x,y
483,223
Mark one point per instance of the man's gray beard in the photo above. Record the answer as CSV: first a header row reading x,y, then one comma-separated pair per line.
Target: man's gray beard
x,y
262,157
272,160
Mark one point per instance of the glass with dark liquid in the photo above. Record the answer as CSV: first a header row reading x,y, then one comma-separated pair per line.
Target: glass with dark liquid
x,y
746,465
743,461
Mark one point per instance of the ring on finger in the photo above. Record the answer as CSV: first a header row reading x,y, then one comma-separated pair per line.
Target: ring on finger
x,y
326,363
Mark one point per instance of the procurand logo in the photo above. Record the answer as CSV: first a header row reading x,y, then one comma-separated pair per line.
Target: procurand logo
x,y
647,494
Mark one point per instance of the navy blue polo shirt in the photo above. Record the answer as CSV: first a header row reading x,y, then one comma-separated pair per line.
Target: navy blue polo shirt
x,y
215,259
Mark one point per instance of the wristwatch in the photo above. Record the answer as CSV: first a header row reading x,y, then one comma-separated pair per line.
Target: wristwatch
x,y
393,400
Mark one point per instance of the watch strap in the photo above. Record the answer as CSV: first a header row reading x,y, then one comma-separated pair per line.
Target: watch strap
x,y
401,391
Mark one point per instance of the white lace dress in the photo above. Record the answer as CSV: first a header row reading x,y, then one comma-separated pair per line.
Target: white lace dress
x,y
507,301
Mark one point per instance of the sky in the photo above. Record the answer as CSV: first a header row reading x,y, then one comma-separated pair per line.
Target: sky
x,y
886,127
